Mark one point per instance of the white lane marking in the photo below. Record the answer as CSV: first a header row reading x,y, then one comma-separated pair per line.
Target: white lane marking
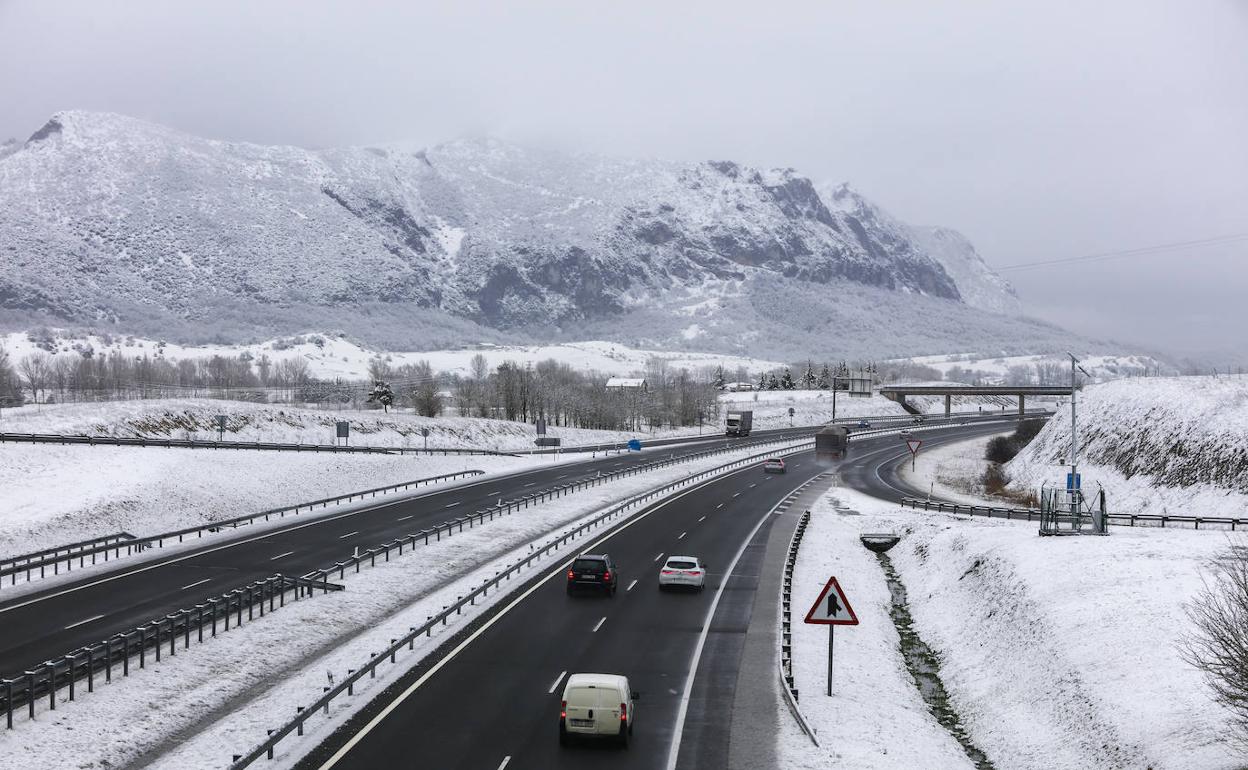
x,y
736,494
674,751
531,483
753,485
630,586
721,505
196,583
598,625
555,684
281,556
702,519
141,568
404,518
660,556
349,534
452,505
81,622
507,758
559,570
564,476
682,535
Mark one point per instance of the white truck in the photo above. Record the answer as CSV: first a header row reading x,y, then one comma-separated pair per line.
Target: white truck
x,y
739,423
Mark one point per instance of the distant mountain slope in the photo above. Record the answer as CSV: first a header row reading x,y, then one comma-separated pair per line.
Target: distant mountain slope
x,y
109,219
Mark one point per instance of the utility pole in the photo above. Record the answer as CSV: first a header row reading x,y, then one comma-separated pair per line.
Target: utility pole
x,y
1074,439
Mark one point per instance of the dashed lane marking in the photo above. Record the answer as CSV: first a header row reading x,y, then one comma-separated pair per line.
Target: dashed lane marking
x,y
660,556
630,586
196,583
349,534
82,622
281,556
558,679
682,535
599,625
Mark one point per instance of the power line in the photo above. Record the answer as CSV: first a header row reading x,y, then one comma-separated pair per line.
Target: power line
x,y
1141,251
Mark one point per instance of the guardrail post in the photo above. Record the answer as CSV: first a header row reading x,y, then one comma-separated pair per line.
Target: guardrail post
x,y
91,669
8,703
30,692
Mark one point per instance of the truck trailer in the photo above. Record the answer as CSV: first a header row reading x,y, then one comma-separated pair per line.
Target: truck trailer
x,y
739,423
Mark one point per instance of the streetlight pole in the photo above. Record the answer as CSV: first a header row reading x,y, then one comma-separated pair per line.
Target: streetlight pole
x,y
1074,441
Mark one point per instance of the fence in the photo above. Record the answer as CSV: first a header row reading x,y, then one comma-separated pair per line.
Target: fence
x,y
150,639
110,548
143,441
302,715
786,628
1034,514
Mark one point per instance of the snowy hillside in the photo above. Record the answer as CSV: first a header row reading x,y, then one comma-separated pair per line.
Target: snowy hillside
x,y
332,356
201,239
1173,444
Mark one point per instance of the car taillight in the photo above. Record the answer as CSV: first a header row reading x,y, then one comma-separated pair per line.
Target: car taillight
x,y
563,709
571,574
606,576
623,712
695,572
669,572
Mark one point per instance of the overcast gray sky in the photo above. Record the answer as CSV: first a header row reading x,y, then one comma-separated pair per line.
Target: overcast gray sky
x,y
1041,130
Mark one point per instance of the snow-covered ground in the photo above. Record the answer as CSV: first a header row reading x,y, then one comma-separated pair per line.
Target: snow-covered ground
x,y
228,677
331,355
876,718
1058,653
952,471
1156,445
61,494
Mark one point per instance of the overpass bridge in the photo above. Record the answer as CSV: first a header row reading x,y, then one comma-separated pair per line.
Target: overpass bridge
x,y
898,393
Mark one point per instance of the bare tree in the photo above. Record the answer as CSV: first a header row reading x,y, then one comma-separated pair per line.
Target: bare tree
x,y
1218,646
35,370
425,394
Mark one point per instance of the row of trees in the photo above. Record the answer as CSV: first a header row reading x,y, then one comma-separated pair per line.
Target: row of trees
x,y
548,390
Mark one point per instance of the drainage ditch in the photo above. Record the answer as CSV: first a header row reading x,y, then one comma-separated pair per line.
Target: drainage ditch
x,y
925,667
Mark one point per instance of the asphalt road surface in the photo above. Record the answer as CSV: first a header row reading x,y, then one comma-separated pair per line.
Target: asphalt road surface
x,y
493,701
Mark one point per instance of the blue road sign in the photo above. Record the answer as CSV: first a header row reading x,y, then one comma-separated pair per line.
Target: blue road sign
x,y
634,445
1072,480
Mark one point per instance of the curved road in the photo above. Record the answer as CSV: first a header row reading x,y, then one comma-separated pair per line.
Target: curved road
x,y
491,700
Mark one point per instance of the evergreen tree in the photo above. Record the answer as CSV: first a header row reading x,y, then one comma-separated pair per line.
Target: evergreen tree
x,y
382,394
762,381
808,376
786,381
825,378
772,382
719,377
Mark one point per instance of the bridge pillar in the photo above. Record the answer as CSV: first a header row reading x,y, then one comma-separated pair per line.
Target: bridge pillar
x,y
948,403
1022,401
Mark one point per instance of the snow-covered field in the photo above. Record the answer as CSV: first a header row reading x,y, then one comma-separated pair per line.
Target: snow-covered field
x,y
1057,653
1158,445
229,677
331,355
951,471
61,494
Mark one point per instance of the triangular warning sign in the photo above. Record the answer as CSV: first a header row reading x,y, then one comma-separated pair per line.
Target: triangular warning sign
x,y
832,608
914,445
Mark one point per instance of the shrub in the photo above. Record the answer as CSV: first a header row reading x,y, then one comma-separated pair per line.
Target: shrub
x,y
1000,449
1218,646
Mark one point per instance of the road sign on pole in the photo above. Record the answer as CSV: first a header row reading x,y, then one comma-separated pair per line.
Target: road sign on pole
x,y
541,426
914,444
831,609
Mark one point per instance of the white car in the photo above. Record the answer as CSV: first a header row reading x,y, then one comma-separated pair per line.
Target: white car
x,y
597,705
682,572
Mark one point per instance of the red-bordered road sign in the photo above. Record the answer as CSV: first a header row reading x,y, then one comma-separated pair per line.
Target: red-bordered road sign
x,y
914,445
832,608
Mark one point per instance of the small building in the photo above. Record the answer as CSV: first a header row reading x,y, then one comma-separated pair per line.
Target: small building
x,y
634,384
735,387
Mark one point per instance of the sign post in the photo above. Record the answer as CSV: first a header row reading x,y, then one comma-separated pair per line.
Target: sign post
x,y
424,432
343,432
914,444
791,412
220,420
831,609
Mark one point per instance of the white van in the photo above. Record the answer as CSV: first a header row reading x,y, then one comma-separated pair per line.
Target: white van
x,y
597,705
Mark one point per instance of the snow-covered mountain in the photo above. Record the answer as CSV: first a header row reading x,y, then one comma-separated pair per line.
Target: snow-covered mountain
x,y
105,218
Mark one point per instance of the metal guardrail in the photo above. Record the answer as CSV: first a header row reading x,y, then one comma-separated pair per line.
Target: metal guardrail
x,y
150,638
68,550
1034,514
105,551
787,684
144,441
296,724
508,507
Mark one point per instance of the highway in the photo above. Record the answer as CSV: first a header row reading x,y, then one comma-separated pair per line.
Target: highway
x,y
47,622
491,700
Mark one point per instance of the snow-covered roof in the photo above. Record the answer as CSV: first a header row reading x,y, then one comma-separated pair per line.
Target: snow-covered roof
x,y
626,382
